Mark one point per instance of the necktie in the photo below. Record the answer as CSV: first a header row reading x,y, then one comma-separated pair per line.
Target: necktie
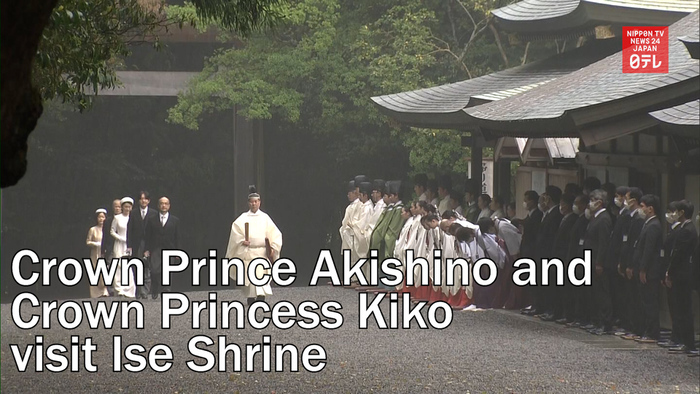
x,y
162,220
143,214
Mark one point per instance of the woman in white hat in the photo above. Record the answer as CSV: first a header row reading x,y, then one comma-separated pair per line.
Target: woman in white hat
x,y
118,231
94,242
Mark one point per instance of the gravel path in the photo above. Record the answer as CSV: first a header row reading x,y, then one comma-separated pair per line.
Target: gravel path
x,y
483,351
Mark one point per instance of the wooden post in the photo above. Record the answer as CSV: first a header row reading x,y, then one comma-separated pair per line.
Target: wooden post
x,y
477,161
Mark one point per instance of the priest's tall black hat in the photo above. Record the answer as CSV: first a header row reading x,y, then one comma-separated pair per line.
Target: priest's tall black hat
x,y
379,185
365,188
253,192
359,179
395,187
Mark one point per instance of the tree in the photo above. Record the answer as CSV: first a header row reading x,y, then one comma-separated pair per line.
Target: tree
x,y
317,70
71,46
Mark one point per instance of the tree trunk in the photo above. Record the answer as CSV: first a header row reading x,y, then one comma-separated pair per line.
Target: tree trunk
x,y
22,25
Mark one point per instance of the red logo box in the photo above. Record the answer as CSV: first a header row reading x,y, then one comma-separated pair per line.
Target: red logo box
x,y
644,49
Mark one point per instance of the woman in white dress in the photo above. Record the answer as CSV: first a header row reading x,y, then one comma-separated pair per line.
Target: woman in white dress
x,y
118,231
94,242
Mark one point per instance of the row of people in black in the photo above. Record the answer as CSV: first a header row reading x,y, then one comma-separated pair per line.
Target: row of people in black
x,y
633,257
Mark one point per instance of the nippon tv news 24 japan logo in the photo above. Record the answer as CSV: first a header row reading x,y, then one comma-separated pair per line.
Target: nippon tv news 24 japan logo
x,y
644,49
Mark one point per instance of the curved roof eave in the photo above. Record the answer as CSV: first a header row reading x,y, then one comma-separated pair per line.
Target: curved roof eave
x,y
547,17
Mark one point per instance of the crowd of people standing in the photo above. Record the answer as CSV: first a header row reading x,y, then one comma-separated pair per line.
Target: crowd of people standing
x,y
636,249
142,233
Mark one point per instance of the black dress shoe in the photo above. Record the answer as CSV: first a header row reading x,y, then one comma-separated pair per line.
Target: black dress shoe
x,y
693,353
561,321
154,296
588,327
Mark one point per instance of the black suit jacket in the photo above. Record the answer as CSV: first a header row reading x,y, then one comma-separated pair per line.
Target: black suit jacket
x,y
621,228
107,240
668,247
578,233
563,237
597,239
547,233
531,227
647,251
136,231
162,237
629,239
684,244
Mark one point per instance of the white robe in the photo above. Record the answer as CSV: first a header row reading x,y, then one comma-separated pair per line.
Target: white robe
x,y
261,227
346,234
465,252
118,232
449,252
444,205
510,235
434,242
420,249
402,243
362,232
485,213
376,213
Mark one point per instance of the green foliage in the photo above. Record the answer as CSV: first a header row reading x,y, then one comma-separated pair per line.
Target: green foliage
x,y
240,16
82,46
317,69
83,42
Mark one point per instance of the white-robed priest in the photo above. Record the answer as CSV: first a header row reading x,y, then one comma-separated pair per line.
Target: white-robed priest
x,y
254,235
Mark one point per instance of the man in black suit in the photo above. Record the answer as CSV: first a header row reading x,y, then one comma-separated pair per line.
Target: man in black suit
x,y
561,250
671,211
531,227
646,262
620,228
135,239
576,310
162,232
679,276
633,318
596,240
551,219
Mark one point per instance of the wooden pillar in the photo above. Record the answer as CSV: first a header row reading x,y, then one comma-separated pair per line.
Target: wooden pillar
x,y
247,158
477,161
502,179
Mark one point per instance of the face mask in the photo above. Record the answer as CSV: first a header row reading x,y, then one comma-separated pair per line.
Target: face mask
x,y
524,205
641,213
542,207
619,202
592,205
577,211
670,218
587,213
627,204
